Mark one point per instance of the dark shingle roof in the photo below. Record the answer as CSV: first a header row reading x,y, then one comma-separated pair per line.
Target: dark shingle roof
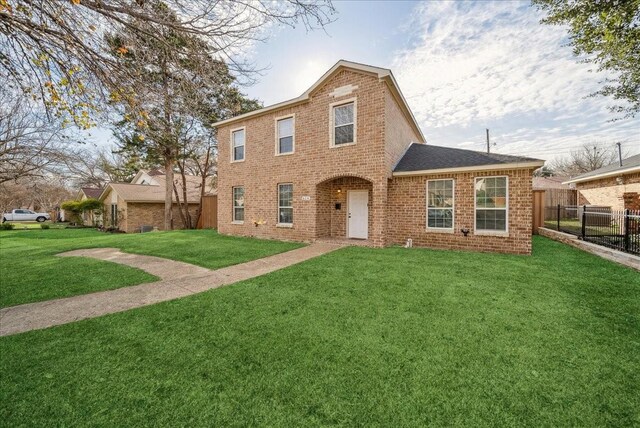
x,y
420,157
627,163
92,192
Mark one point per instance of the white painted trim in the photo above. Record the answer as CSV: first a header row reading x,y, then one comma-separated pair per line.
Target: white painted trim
x,y
233,206
484,232
332,106
604,175
244,153
293,144
348,209
493,167
278,224
453,208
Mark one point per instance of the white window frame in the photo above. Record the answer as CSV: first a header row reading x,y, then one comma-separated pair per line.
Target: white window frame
x,y
233,204
278,224
332,134
486,232
293,135
244,144
453,207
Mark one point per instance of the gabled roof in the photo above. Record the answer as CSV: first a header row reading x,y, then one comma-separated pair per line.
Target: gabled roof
x,y
383,74
155,193
629,165
427,159
91,192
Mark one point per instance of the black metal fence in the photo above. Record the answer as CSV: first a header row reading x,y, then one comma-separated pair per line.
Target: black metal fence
x,y
619,230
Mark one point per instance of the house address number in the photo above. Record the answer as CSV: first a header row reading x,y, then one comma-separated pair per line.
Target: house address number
x,y
306,198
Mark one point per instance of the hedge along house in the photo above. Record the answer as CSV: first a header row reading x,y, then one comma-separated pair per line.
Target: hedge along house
x,y
616,185
347,160
130,206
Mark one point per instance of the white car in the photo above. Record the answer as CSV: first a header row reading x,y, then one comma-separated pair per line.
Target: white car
x,y
25,215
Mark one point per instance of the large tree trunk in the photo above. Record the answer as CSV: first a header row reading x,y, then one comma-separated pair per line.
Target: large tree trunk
x,y
168,195
185,223
204,173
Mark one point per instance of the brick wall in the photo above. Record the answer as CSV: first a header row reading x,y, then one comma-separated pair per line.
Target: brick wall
x,y
316,170
313,165
397,133
408,214
631,201
608,191
152,214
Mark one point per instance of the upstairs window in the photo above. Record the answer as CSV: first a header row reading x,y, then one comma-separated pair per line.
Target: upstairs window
x,y
237,145
440,204
285,203
238,204
285,137
491,204
343,119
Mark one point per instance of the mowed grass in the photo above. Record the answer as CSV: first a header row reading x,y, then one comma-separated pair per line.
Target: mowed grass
x,y
31,272
358,337
27,225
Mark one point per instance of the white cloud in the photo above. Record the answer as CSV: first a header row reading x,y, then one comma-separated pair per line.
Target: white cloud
x,y
492,64
479,61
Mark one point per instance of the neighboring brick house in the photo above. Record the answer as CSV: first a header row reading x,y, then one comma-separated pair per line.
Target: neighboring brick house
x,y
129,206
616,186
347,160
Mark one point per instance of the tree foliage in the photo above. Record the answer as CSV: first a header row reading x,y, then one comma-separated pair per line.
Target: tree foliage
x,y
586,159
31,145
39,194
605,33
78,208
56,51
182,90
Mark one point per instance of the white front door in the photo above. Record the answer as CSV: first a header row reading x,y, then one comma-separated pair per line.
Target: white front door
x,y
358,214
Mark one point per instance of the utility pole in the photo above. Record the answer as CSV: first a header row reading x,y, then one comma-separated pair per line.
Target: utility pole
x,y
619,152
488,146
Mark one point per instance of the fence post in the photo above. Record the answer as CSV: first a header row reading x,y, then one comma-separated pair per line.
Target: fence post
x,y
558,219
584,220
627,216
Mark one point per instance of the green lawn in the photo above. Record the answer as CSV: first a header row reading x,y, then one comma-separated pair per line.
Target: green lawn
x,y
28,225
30,271
358,337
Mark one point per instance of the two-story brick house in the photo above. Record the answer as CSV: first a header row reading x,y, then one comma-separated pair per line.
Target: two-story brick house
x,y
347,160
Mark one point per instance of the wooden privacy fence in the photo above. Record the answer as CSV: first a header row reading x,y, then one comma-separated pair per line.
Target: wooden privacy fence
x,y
565,197
538,210
209,216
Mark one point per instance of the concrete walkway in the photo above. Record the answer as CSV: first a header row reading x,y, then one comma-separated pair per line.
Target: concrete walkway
x,y
178,279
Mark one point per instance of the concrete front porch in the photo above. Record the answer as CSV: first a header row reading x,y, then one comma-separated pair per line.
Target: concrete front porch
x,y
344,210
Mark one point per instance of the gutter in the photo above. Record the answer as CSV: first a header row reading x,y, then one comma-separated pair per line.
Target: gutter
x,y
604,175
493,167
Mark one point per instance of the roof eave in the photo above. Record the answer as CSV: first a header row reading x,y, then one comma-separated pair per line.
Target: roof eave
x,y
632,169
492,167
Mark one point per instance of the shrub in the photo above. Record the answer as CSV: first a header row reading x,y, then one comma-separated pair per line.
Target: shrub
x,y
44,226
77,208
6,226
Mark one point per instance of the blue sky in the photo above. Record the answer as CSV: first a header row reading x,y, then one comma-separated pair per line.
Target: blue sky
x,y
463,67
